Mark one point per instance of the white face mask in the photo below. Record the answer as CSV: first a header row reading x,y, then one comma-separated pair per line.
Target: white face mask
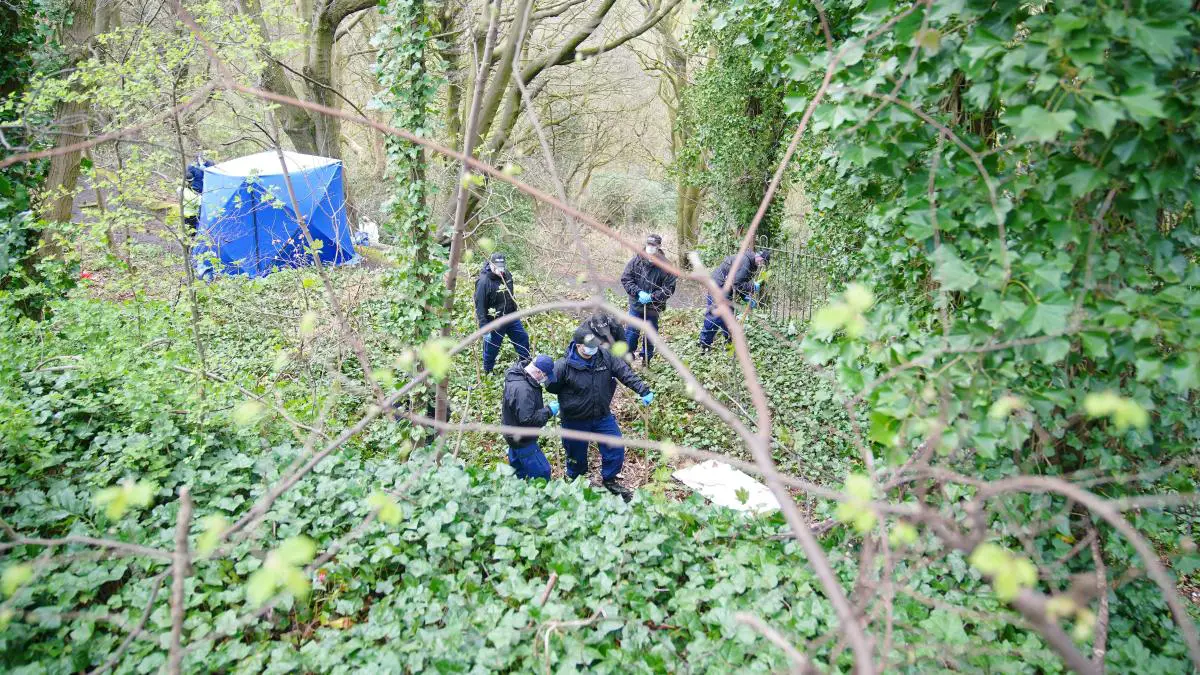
x,y
537,375
588,351
498,270
651,250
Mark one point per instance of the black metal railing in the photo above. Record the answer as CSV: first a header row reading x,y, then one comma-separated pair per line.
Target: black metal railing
x,y
797,282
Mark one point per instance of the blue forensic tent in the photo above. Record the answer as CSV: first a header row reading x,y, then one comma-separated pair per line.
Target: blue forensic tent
x,y
248,222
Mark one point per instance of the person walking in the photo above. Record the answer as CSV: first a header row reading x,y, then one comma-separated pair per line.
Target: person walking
x,y
494,298
585,381
649,287
523,407
744,287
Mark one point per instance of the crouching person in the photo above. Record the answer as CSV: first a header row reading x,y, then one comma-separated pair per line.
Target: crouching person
x,y
585,382
523,407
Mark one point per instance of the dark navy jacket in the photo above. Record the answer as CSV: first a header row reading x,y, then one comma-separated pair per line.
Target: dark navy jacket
x,y
642,275
523,406
493,296
743,283
585,387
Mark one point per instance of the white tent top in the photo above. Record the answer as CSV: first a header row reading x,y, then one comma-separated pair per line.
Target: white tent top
x,y
267,164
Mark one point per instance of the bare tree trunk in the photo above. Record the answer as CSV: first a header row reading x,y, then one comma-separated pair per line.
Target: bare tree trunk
x,y
451,55
108,16
296,122
71,116
319,72
687,225
687,197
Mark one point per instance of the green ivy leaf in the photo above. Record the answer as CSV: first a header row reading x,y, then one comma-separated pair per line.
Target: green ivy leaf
x,y
883,429
853,53
1185,372
1048,318
1102,116
1041,125
946,627
798,67
795,104
951,272
1083,180
1143,104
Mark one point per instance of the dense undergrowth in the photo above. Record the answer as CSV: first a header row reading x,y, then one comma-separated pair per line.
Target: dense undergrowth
x,y
95,395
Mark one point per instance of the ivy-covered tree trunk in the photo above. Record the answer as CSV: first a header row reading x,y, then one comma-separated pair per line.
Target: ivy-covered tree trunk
x,y
737,126
409,90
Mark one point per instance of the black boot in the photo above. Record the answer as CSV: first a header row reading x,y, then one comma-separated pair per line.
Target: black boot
x,y
617,489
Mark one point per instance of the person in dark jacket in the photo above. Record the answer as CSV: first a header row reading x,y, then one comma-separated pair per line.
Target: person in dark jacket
x,y
649,287
604,326
494,298
585,381
194,184
743,287
523,407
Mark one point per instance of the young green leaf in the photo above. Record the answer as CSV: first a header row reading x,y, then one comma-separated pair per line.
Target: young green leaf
x,y
386,508
15,576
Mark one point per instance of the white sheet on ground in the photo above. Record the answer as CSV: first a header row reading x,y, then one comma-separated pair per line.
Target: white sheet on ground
x,y
719,483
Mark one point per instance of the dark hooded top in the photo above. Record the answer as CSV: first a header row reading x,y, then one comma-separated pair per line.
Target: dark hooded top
x,y
642,275
743,282
585,387
493,295
522,406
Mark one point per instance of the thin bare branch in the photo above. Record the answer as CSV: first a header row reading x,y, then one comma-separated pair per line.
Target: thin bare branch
x,y
179,572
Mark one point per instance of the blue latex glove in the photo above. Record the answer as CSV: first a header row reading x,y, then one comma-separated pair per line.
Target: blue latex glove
x,y
757,286
648,398
753,303
643,297
553,406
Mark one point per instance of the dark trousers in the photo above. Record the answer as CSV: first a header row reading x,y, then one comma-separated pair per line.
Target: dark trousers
x,y
529,461
495,339
612,457
712,323
632,335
